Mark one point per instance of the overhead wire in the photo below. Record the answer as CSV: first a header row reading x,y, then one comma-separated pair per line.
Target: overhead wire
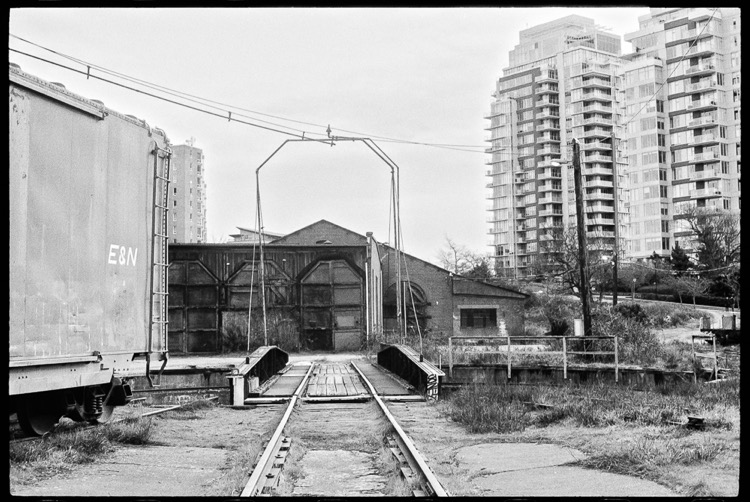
x,y
211,103
673,70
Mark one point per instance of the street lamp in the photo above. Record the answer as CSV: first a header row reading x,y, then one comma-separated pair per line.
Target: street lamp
x,y
633,292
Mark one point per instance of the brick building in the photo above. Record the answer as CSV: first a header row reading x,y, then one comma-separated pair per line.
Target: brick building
x,y
332,288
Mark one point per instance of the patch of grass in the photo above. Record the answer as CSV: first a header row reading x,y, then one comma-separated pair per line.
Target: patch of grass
x,y
239,465
644,456
509,408
72,443
192,410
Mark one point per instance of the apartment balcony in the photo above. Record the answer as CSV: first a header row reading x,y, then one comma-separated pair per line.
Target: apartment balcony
x,y
590,69
548,163
550,174
598,184
598,120
600,208
547,88
702,139
520,216
497,108
701,193
596,132
548,150
551,212
547,125
600,234
597,158
599,196
702,121
706,48
596,95
600,82
704,85
700,104
548,112
550,187
548,138
600,221
601,171
548,100
549,75
709,31
550,199
598,108
706,174
701,68
596,145
705,156
531,202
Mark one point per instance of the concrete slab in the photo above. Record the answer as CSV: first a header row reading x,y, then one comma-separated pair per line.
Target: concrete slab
x,y
338,473
538,470
503,457
172,472
567,481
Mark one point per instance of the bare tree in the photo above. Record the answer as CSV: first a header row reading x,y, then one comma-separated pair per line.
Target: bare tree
x,y
695,285
462,261
716,235
559,258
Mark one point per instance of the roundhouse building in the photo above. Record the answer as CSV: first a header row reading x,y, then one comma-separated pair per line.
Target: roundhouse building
x,y
325,288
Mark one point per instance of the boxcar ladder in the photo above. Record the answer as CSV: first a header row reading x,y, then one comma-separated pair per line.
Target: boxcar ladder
x,y
160,264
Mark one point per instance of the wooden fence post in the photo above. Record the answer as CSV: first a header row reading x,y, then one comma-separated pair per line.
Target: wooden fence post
x,y
450,356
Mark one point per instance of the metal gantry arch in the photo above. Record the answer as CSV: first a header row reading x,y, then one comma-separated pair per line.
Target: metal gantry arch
x,y
396,217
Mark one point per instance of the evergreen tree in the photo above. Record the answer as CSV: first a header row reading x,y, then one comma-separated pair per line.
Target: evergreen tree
x,y
680,261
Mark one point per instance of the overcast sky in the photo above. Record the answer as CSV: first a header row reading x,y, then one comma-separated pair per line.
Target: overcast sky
x,y
410,74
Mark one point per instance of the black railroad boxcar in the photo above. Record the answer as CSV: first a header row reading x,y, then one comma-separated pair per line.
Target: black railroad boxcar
x,y
88,252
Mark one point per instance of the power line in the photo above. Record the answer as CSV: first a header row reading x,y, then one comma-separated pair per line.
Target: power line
x,y
675,69
210,103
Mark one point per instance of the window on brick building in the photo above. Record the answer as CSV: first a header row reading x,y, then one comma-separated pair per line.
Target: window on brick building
x,y
478,318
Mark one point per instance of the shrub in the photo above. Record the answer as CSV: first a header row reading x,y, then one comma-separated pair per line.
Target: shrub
x,y
637,344
559,312
633,311
670,315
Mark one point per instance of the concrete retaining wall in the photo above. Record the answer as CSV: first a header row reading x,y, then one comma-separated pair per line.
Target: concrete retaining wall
x,y
494,374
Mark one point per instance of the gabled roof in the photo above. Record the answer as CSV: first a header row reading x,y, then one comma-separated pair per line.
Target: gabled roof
x,y
321,233
460,288
466,286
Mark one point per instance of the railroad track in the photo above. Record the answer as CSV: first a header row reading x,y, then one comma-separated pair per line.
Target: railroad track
x,y
340,438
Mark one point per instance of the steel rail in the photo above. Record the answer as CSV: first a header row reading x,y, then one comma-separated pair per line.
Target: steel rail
x,y
409,450
265,463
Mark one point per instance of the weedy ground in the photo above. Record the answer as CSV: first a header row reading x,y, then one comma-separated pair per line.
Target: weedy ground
x,y
622,430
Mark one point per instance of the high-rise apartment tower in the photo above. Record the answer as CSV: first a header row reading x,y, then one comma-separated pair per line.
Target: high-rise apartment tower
x,y
187,194
562,84
682,122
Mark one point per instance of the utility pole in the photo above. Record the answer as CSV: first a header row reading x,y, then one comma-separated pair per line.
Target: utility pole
x,y
617,222
584,289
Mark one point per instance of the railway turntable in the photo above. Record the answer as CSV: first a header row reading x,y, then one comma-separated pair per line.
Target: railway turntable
x,y
340,380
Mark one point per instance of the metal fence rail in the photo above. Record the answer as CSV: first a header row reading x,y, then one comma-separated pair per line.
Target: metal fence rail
x,y
507,342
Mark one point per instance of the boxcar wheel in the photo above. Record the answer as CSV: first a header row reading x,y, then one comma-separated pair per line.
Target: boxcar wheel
x,y
38,413
89,405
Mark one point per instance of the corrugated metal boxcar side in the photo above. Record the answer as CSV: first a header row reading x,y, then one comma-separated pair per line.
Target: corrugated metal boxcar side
x,y
81,210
